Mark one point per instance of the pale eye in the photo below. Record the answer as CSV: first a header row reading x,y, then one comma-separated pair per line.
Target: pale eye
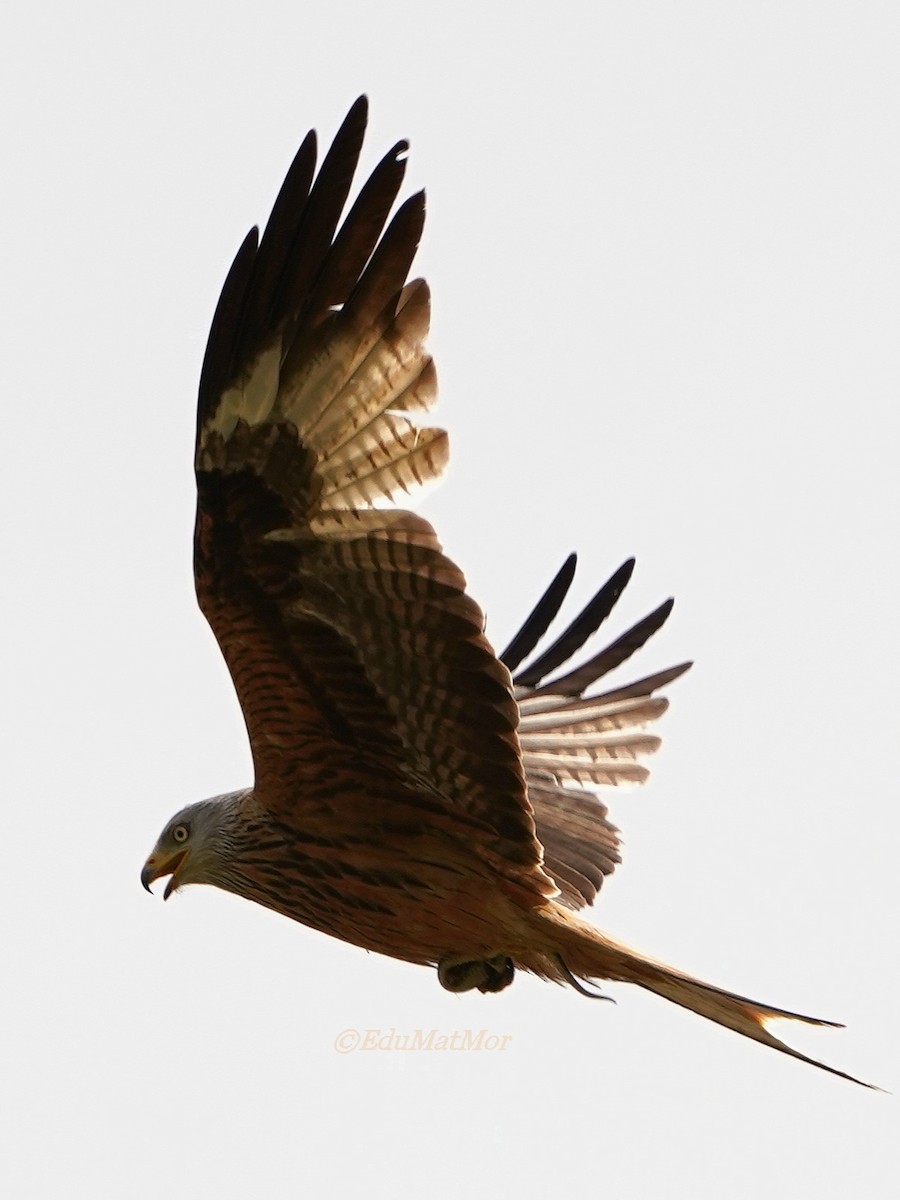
x,y
180,833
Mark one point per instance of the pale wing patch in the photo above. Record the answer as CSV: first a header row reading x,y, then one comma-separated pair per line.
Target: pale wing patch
x,y
406,463
394,371
587,741
367,449
251,398
349,401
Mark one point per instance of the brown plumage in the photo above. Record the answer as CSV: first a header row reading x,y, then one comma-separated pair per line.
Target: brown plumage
x,y
410,795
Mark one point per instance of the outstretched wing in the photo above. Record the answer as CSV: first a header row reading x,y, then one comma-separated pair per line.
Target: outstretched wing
x,y
569,739
353,646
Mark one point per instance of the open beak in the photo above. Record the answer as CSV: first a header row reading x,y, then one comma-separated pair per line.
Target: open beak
x,y
156,867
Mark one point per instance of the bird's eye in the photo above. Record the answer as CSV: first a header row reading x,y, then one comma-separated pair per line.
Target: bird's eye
x,y
180,833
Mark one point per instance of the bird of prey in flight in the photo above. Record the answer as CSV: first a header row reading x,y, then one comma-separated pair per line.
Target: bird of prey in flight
x,y
415,793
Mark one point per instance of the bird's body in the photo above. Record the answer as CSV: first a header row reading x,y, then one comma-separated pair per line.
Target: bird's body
x,y
383,872
411,796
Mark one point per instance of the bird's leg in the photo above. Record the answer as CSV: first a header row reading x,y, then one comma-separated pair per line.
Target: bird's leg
x,y
487,974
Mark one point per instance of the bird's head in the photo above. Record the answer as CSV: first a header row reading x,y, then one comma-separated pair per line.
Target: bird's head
x,y
193,845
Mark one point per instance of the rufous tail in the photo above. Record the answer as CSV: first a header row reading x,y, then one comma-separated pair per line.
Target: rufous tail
x,y
582,952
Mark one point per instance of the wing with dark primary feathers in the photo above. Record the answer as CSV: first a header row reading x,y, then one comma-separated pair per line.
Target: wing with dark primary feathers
x,y
569,738
349,634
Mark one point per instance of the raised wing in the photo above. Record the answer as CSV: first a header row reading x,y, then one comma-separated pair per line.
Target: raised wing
x,y
355,651
568,738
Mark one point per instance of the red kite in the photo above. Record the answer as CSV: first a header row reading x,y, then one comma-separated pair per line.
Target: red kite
x,y
411,796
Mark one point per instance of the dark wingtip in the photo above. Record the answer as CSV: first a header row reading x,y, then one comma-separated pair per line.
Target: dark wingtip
x,y
538,620
580,629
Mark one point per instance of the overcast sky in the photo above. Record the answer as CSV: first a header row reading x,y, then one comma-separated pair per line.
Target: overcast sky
x,y
663,245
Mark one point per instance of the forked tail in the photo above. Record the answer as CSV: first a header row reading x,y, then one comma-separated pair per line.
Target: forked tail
x,y
587,954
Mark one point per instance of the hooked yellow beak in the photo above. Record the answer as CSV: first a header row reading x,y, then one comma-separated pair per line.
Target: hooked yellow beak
x,y
156,867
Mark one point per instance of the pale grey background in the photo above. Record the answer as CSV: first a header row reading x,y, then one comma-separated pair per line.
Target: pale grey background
x,y
663,244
